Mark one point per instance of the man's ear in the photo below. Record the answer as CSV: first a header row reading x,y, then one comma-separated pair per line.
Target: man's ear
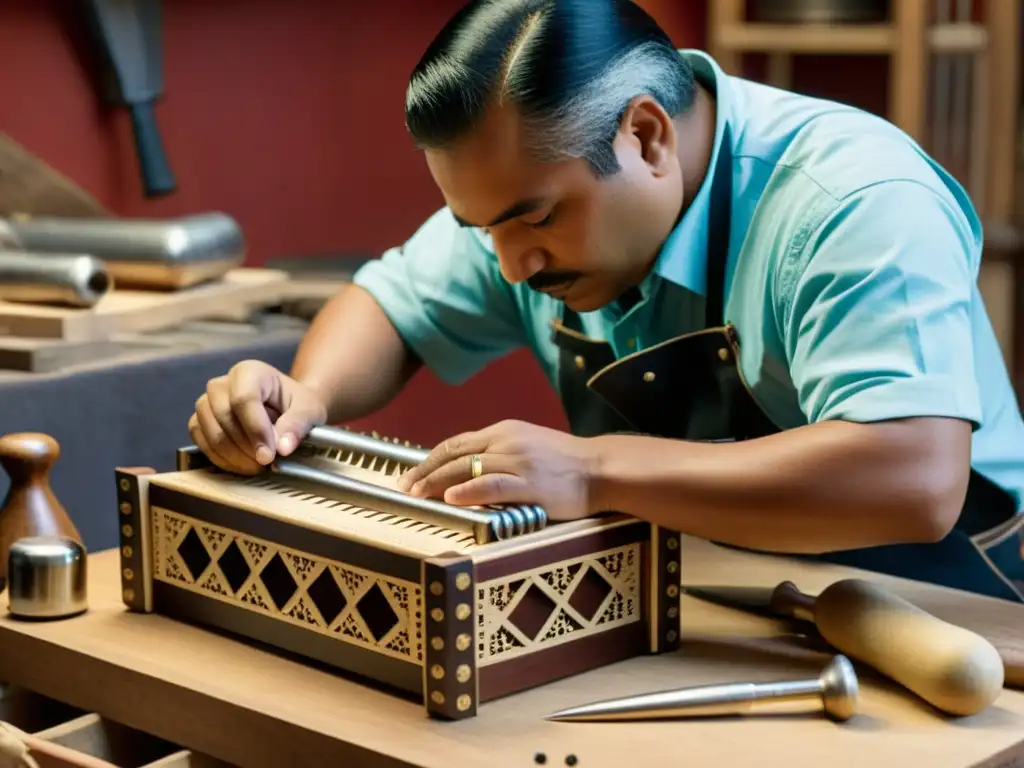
x,y
648,130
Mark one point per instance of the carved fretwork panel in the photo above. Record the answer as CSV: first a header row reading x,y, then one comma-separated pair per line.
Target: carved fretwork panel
x,y
553,604
354,605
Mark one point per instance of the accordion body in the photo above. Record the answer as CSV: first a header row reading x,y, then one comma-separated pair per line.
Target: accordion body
x,y
325,559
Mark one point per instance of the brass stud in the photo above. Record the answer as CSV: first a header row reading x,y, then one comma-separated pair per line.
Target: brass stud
x,y
437,671
670,636
126,508
437,614
672,590
462,611
672,566
126,551
436,588
437,643
580,362
723,354
463,673
464,702
129,574
672,543
437,697
462,582
127,530
649,377
124,484
673,612
462,641
129,594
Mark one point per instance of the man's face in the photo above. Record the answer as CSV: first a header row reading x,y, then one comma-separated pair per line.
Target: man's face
x,y
567,233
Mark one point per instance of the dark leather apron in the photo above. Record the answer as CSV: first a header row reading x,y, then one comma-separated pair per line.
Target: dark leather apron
x,y
692,388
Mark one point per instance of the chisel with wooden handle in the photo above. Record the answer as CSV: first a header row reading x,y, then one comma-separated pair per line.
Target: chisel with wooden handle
x,y
955,670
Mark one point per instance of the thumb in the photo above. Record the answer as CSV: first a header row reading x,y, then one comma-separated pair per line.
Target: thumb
x,y
294,424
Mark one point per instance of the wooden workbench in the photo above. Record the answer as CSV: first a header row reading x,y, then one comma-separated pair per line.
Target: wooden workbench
x,y
251,707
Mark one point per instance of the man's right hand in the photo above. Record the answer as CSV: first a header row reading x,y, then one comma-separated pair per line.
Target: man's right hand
x,y
253,414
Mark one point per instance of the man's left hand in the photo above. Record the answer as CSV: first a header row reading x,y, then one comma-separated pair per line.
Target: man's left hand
x,y
518,463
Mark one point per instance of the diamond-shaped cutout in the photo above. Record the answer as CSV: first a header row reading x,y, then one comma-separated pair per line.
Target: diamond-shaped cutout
x,y
590,592
279,582
193,553
326,596
532,612
377,613
234,566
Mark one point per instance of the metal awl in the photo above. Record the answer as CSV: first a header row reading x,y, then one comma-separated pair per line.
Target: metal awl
x,y
835,690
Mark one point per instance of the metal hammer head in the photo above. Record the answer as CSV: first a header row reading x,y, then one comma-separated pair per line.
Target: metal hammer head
x,y
839,688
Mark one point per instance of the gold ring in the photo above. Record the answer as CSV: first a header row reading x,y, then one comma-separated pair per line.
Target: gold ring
x,y
477,466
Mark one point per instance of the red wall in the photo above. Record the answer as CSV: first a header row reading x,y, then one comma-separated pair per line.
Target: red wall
x,y
289,117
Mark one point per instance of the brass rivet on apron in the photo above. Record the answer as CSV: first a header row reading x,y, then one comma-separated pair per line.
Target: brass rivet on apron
x,y
723,354
580,362
649,376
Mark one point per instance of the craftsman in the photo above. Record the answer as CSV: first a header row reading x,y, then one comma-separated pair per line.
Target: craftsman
x,y
776,295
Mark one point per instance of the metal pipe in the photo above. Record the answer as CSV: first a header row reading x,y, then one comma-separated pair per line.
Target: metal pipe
x,y
76,280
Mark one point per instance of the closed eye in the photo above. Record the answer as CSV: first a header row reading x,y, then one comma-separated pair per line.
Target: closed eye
x,y
543,222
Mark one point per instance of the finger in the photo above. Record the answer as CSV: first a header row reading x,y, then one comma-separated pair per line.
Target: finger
x,y
292,426
220,405
230,456
453,448
249,387
496,488
460,470
196,433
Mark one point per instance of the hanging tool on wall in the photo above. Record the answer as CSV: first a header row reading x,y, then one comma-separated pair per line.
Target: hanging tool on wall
x,y
127,35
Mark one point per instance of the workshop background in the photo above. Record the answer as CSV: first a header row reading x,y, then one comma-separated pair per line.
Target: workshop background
x,y
289,117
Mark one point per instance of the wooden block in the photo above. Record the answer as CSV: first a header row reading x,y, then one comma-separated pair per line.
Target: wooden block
x,y
29,185
121,312
49,355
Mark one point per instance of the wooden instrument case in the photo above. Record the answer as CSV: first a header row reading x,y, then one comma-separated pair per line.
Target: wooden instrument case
x,y
440,613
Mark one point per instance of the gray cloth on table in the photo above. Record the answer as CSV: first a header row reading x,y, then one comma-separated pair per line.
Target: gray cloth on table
x,y
127,413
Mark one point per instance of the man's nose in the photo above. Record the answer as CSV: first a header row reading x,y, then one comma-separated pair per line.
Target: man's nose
x,y
518,266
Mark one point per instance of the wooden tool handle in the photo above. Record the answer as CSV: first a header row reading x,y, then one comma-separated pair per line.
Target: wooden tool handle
x,y
952,668
28,456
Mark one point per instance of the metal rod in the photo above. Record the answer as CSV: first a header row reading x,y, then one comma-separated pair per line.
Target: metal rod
x,y
345,440
506,519
835,690
481,523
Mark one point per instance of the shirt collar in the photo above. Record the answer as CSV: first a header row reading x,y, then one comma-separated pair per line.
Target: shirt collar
x,y
683,258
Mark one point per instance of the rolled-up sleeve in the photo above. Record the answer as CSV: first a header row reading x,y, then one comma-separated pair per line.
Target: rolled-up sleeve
x,y
445,295
878,322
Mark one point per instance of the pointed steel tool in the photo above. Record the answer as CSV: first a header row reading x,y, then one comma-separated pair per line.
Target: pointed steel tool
x,y
835,689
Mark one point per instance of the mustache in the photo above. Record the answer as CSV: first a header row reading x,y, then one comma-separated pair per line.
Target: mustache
x,y
550,278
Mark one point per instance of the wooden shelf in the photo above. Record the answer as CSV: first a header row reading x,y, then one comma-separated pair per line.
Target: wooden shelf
x,y
845,39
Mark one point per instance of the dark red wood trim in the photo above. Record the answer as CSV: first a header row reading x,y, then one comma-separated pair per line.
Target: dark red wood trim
x,y
561,661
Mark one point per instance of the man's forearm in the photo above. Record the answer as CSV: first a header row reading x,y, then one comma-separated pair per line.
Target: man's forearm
x,y
353,356
824,487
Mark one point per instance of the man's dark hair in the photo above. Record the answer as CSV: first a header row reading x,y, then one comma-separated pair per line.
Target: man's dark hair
x,y
570,67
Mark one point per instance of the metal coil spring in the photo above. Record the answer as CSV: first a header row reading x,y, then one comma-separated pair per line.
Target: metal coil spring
x,y
514,520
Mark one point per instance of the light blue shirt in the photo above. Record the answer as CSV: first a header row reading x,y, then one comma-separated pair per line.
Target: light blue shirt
x,y
852,280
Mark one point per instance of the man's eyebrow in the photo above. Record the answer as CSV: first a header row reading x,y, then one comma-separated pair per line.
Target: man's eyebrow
x,y
518,208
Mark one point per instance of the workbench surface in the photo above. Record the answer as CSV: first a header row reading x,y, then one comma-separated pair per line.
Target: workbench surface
x,y
252,707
